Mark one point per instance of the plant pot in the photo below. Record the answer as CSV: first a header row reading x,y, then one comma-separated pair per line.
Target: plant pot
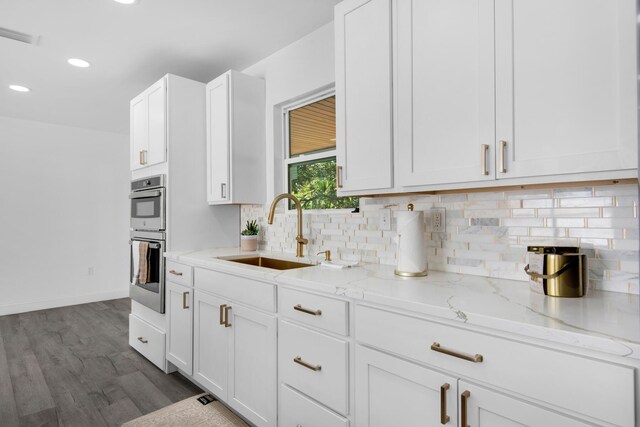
x,y
249,243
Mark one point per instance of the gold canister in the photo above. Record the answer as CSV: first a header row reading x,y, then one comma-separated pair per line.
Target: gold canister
x,y
565,272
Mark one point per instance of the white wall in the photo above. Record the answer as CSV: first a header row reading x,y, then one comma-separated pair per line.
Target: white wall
x,y
63,210
292,73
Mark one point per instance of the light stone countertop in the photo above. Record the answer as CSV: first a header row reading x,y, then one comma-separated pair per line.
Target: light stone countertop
x,y
607,322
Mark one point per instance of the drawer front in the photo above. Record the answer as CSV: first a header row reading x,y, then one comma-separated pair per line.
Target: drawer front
x,y
147,340
325,376
179,273
298,410
557,378
246,291
313,310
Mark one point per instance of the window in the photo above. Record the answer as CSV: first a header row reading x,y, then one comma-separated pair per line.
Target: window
x,y
311,155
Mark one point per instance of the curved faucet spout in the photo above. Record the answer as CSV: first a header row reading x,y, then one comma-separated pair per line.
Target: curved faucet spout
x,y
300,240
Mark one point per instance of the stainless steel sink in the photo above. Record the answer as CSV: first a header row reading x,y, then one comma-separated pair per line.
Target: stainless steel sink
x,y
273,263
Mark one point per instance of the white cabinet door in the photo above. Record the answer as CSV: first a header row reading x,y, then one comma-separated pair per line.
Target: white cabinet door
x,y
394,392
252,365
445,91
363,95
210,350
157,113
148,127
139,131
566,99
179,301
487,408
218,140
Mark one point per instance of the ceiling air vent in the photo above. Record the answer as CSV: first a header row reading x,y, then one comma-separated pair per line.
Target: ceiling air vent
x,y
18,36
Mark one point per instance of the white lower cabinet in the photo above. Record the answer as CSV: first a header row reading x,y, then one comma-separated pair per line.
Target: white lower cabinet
x,y
252,364
147,340
558,380
484,407
393,392
299,410
235,356
210,343
314,363
179,303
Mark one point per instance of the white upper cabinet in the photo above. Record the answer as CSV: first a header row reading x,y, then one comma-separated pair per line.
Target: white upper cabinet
x,y
363,95
566,99
484,92
445,91
236,164
148,115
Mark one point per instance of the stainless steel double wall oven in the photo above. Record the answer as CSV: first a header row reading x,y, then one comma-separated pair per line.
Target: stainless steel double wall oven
x,y
147,243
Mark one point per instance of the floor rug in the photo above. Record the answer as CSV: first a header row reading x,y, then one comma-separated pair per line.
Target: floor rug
x,y
190,412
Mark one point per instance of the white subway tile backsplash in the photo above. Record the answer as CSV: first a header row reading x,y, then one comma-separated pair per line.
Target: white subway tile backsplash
x,y
487,233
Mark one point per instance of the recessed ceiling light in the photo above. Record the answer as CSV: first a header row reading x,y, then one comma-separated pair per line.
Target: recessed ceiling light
x,y
19,88
77,62
127,1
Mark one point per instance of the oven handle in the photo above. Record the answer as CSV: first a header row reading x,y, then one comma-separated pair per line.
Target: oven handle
x,y
151,245
144,194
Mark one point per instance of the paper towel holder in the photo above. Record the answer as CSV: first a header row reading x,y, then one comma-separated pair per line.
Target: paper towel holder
x,y
408,273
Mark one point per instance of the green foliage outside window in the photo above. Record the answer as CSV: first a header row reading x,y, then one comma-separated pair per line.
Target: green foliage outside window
x,y
314,183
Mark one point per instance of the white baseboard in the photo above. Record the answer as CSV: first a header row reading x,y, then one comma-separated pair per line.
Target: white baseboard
x,y
62,302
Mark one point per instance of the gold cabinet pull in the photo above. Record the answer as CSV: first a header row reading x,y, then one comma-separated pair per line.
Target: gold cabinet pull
x,y
227,324
444,418
298,307
463,408
476,358
222,307
307,365
175,273
485,169
185,300
143,157
339,176
503,148
142,340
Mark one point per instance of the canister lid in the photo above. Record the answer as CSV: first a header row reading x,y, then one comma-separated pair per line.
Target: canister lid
x,y
558,250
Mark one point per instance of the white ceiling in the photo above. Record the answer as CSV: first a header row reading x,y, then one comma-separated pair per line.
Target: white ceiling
x,y
131,47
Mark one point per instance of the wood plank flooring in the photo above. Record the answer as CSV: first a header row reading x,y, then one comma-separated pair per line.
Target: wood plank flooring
x,y
72,366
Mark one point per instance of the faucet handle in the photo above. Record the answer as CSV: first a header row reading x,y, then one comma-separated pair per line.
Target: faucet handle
x,y
327,255
302,240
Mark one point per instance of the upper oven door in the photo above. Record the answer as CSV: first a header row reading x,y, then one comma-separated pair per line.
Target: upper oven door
x,y
147,210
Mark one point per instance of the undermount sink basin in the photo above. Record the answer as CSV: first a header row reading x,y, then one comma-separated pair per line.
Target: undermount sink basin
x,y
273,263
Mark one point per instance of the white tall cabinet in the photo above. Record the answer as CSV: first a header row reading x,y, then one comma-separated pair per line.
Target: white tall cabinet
x,y
148,126
446,94
236,161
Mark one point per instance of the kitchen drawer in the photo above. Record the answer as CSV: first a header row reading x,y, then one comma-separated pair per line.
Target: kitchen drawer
x,y
246,291
330,383
147,340
179,273
321,312
298,410
565,380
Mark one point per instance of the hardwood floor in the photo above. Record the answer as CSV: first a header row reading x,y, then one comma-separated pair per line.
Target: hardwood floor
x,y
72,366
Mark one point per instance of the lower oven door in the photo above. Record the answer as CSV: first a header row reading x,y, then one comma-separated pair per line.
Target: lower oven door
x,y
146,279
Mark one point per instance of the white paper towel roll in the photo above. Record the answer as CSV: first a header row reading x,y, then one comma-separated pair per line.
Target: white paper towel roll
x,y
412,259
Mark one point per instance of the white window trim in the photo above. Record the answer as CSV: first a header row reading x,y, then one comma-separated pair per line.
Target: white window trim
x,y
288,160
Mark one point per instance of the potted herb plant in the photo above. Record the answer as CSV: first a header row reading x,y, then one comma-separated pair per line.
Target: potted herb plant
x,y
249,236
